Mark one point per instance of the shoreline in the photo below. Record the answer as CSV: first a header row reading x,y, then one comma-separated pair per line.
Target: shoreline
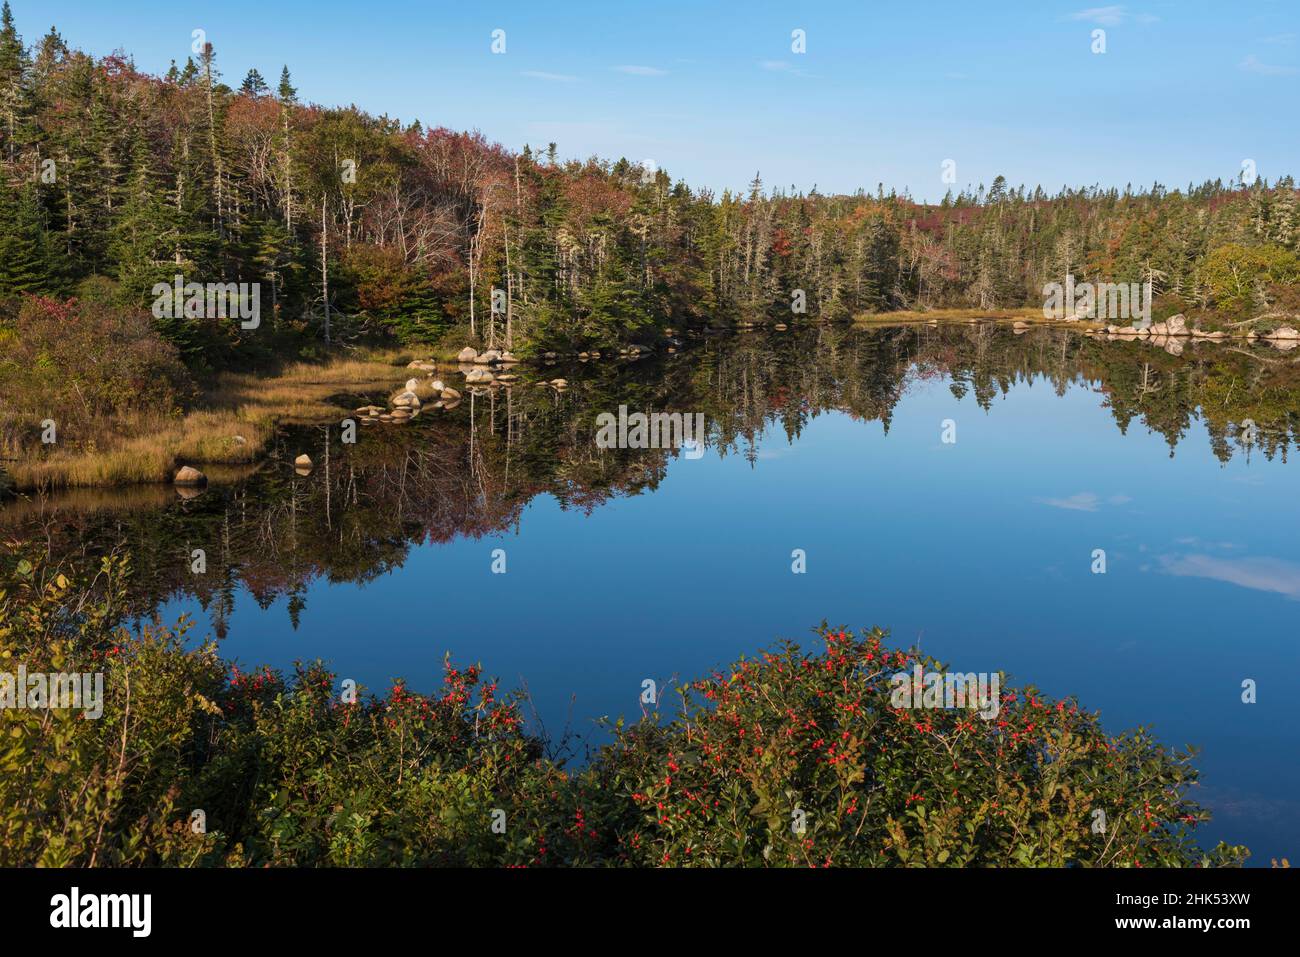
x,y
240,413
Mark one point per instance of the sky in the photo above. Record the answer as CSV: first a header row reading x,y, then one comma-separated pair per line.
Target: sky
x,y
884,92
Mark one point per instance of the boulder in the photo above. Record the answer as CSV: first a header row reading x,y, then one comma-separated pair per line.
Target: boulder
x,y
1176,325
467,355
412,385
303,461
437,385
487,358
474,376
450,395
190,476
509,357
1285,332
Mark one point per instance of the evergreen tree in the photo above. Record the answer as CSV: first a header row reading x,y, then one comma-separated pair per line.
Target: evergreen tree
x,y
254,85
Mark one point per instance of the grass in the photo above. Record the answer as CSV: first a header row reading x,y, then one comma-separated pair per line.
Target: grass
x,y
949,315
234,423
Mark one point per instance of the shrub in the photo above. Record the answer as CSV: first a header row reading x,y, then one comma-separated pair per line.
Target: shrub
x,y
801,759
1237,276
83,363
286,771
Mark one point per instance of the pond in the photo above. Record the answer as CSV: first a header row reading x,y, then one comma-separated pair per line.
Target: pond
x,y
1098,519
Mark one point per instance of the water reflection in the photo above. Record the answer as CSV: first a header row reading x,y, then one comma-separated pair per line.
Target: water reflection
x,y
633,563
470,470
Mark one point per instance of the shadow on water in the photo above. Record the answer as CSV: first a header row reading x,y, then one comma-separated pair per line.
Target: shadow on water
x,y
469,471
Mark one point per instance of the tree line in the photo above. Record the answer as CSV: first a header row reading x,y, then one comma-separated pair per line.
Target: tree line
x,y
359,226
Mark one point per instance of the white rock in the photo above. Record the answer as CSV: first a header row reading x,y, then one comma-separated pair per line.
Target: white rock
x,y
188,475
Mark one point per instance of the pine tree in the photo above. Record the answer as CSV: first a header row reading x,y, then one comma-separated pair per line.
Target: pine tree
x,y
143,234
254,85
25,263
15,88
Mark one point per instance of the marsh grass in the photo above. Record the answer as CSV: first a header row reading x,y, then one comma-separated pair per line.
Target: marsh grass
x,y
233,423
1026,313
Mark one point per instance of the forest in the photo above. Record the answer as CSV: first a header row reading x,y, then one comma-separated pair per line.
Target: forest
x,y
357,250
369,228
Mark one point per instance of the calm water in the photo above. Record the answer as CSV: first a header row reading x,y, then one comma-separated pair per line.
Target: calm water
x,y
626,565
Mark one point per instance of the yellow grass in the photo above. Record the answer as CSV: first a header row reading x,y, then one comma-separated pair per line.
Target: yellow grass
x,y
235,406
1026,313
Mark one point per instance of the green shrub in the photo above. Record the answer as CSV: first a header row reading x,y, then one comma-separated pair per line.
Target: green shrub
x,y
802,759
793,758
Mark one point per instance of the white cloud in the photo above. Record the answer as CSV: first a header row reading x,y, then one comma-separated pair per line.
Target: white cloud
x,y
1257,574
1084,501
1112,16
641,70
1252,64
1079,502
552,77
1106,16
781,66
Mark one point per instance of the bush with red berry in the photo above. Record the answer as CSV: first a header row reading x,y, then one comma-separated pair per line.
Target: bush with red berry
x,y
793,758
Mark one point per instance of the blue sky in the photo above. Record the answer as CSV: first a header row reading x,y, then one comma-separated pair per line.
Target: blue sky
x,y
884,93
